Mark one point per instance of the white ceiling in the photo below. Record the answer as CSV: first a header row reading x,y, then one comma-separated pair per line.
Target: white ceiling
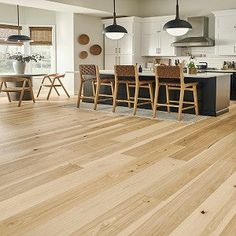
x,y
57,6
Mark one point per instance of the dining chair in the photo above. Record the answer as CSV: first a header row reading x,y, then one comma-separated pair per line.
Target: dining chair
x,y
172,78
90,73
53,81
26,86
128,75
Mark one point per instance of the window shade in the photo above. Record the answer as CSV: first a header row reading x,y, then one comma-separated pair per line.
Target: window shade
x,y
6,31
41,35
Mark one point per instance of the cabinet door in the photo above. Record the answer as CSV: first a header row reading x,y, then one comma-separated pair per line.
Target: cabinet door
x,y
110,61
166,49
227,42
125,45
226,22
148,45
111,46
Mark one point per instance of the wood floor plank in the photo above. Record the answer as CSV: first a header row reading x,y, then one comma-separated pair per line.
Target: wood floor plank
x,y
68,171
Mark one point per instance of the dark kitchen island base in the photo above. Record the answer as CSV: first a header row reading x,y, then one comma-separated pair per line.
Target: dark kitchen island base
x,y
213,92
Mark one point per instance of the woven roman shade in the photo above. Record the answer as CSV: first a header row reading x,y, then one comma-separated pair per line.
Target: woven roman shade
x,y
41,35
6,31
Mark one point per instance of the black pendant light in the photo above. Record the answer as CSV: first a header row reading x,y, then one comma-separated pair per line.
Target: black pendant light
x,y
177,27
18,37
115,31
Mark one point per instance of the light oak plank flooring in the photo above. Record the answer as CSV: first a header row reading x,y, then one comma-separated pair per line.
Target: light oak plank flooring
x,y
69,171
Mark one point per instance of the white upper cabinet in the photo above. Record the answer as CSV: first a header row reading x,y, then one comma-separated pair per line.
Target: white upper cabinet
x,y
225,32
126,50
156,41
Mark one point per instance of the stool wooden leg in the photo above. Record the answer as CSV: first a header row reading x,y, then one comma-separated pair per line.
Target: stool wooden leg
x,y
22,93
1,87
41,85
63,88
50,90
8,94
80,94
155,100
181,99
96,95
112,88
128,94
136,99
167,98
31,90
54,87
94,88
151,95
115,97
195,100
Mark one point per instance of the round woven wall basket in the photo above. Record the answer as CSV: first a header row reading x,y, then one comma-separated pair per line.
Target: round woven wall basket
x,y
83,55
95,50
83,39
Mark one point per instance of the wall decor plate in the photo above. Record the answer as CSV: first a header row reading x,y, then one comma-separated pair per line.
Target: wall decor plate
x,y
83,55
95,49
83,39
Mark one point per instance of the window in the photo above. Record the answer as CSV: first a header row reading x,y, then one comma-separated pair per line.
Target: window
x,y
42,44
8,47
6,31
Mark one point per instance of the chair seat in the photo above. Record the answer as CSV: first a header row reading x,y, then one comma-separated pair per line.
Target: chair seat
x,y
14,89
106,80
142,82
186,85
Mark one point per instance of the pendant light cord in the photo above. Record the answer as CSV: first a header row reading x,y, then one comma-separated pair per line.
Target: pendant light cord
x,y
177,9
18,19
114,12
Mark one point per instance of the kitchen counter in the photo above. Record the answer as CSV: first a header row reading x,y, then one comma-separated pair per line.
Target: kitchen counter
x,y
150,73
213,91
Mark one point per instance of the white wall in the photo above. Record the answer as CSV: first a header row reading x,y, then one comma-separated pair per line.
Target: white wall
x,y
93,27
28,15
65,47
124,7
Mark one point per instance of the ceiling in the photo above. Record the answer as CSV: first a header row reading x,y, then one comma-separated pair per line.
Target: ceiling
x,y
61,6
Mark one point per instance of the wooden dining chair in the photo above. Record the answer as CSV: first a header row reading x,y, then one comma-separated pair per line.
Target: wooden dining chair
x,y
26,86
128,75
91,74
172,78
53,81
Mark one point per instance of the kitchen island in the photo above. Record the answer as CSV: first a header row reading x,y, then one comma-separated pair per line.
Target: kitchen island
x,y
213,91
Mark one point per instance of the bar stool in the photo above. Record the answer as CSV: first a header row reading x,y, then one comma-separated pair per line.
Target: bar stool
x,y
91,73
21,90
52,81
170,74
128,75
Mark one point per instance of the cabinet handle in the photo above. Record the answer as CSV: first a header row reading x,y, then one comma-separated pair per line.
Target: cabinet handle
x,y
119,50
115,50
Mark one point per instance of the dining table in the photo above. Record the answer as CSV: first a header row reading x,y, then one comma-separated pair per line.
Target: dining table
x,y
27,95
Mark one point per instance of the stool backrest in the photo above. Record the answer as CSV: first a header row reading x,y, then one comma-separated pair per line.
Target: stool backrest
x,y
170,72
127,71
88,71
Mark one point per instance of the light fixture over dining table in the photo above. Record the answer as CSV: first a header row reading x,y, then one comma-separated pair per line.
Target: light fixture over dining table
x,y
18,37
115,31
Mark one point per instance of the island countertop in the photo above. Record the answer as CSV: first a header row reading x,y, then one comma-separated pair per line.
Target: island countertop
x,y
150,73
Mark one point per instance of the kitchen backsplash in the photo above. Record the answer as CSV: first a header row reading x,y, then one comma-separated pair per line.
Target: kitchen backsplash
x,y
206,54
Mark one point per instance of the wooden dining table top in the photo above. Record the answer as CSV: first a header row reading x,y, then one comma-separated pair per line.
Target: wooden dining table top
x,y
27,75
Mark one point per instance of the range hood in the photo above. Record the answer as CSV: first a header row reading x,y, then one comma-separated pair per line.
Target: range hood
x,y
198,36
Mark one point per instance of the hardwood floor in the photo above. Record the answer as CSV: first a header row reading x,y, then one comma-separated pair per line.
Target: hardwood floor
x,y
66,171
